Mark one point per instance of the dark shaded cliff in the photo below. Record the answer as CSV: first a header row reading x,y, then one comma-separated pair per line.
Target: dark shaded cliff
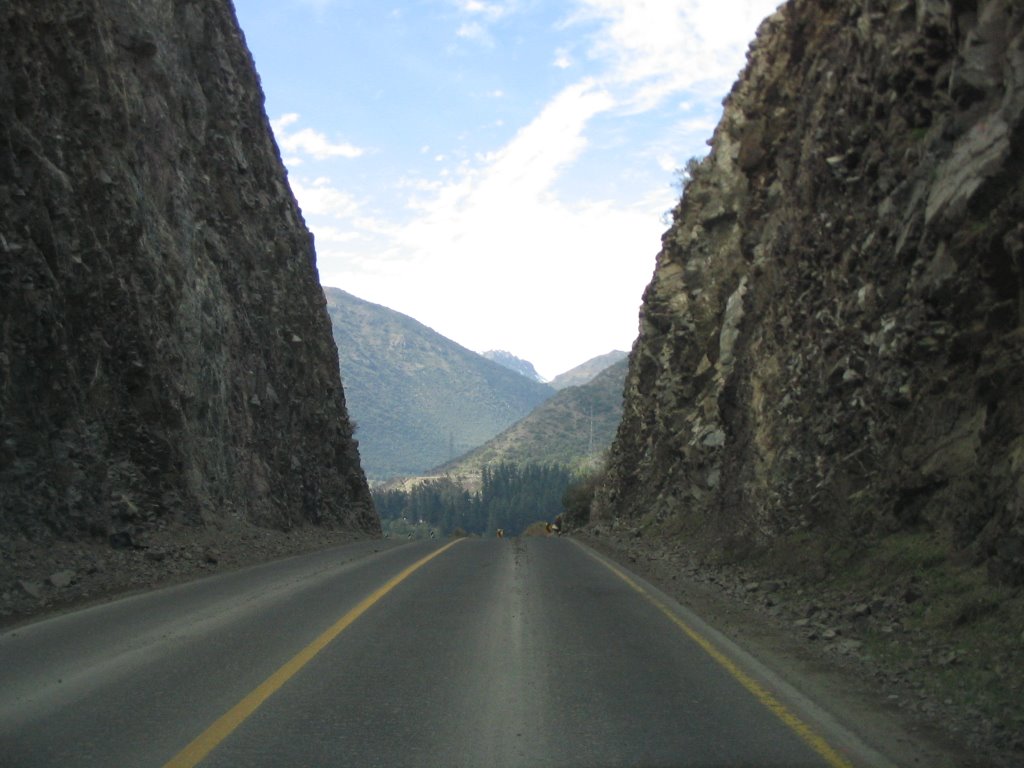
x,y
831,349
165,352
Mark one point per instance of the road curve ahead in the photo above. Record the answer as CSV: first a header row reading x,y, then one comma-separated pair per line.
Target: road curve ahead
x,y
514,652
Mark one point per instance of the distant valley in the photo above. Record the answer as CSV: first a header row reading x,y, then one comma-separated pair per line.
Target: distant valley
x,y
574,428
418,398
519,477
425,405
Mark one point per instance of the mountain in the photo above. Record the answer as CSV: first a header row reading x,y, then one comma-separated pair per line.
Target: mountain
x,y
513,363
417,397
573,428
166,357
585,372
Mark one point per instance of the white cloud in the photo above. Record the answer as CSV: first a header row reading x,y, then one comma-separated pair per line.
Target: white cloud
x,y
490,11
660,47
318,145
471,30
284,121
558,283
492,257
488,251
310,142
320,198
531,162
418,184
482,15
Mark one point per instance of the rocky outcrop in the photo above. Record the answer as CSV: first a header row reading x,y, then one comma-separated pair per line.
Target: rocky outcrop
x,y
832,343
165,353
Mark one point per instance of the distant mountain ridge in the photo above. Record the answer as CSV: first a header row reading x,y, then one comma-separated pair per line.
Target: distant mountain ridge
x,y
417,397
573,428
586,372
513,363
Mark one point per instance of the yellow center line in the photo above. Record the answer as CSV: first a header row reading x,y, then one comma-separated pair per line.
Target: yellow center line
x,y
798,726
205,743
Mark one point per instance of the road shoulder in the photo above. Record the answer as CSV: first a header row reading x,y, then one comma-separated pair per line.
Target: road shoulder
x,y
850,688
41,581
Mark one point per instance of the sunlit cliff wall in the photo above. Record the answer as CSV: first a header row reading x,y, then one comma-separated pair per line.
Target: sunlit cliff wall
x,y
832,344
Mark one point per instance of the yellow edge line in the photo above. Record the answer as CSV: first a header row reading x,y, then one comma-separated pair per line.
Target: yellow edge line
x,y
191,755
798,726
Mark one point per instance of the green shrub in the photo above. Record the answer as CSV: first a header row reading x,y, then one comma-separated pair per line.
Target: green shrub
x,y
578,498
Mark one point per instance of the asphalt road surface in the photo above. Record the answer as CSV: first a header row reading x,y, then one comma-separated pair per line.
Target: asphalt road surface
x,y
532,652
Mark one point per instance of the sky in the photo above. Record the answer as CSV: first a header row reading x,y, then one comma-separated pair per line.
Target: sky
x,y
500,170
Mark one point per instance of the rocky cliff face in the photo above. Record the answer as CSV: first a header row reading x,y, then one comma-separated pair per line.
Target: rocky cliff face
x,y
832,344
165,353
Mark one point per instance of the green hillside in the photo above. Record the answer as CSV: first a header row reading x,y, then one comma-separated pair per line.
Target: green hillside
x,y
573,428
417,397
586,372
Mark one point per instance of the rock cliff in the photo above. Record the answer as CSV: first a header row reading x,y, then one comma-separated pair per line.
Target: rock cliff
x,y
165,353
831,348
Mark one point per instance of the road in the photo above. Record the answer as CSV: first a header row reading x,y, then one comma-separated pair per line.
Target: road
x,y
532,652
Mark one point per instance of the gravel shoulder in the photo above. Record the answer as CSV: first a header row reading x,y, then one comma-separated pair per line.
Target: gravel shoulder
x,y
916,707
40,580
